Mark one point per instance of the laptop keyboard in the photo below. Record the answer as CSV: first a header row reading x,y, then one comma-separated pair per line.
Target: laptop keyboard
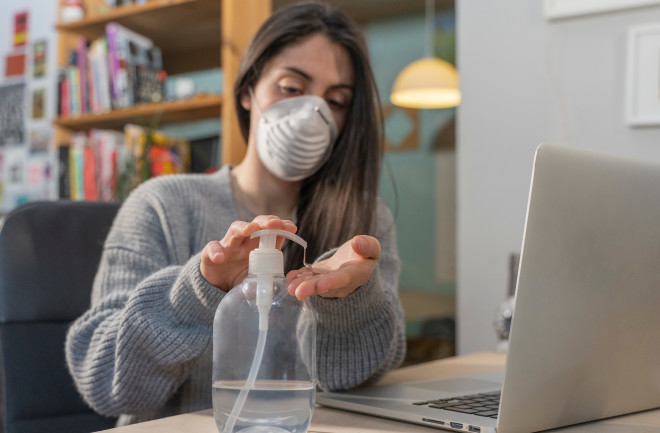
x,y
485,404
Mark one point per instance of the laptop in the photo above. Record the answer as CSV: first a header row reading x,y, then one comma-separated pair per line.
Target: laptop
x,y
585,336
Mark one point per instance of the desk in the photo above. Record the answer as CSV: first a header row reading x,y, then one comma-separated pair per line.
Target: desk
x,y
326,420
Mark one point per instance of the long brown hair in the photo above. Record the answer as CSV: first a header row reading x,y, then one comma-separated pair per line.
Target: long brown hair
x,y
338,201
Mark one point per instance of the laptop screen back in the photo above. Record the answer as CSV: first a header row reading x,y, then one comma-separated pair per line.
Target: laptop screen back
x,y
585,337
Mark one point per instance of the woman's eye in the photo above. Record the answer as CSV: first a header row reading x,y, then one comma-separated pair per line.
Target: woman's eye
x,y
336,104
289,90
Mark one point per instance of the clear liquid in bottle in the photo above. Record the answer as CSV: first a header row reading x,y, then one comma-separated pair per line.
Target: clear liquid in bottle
x,y
274,406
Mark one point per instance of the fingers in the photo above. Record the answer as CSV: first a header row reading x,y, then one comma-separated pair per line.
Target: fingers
x,y
366,246
214,252
295,278
212,256
235,235
240,230
292,275
331,285
304,287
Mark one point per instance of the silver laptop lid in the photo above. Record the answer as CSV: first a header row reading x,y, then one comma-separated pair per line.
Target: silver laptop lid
x,y
585,338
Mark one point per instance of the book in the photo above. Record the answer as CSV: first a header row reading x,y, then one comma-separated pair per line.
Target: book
x,y
74,90
76,165
103,78
65,104
63,174
118,70
135,67
82,74
117,75
107,144
107,165
153,153
92,83
90,180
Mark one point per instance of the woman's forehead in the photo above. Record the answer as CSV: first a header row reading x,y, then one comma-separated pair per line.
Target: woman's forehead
x,y
316,56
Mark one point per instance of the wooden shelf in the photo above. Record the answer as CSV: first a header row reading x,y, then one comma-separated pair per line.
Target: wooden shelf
x,y
364,11
197,108
174,26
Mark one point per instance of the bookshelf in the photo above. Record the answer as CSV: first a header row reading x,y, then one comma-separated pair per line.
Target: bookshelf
x,y
187,110
193,35
187,31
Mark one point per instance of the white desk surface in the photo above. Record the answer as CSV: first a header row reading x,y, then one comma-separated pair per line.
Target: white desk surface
x,y
326,420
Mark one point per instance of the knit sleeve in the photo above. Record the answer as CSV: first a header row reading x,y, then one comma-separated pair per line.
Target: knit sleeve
x,y
151,315
361,337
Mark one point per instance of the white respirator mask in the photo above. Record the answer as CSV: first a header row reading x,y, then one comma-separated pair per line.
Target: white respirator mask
x,y
295,136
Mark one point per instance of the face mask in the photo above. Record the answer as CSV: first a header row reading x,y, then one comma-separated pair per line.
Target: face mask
x,y
295,136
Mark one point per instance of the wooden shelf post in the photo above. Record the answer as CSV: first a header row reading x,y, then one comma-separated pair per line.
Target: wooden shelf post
x,y
240,20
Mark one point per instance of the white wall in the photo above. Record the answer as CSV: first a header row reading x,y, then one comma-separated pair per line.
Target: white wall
x,y
527,80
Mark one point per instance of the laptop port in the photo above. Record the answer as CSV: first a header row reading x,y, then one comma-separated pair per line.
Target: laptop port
x,y
474,429
434,421
456,425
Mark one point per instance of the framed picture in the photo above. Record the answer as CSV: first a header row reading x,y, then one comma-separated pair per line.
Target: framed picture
x,y
39,52
38,103
12,111
20,29
643,76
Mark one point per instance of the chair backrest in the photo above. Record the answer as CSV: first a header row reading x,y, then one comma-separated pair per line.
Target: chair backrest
x,y
49,254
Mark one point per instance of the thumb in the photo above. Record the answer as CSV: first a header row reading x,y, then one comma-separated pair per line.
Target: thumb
x,y
366,246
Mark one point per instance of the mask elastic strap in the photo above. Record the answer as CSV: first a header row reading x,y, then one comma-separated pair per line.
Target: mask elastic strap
x,y
254,101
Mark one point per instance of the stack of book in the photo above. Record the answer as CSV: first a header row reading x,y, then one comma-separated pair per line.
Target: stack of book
x,y
89,167
118,70
106,165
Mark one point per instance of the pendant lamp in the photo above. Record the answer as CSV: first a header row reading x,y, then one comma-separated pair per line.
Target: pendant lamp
x,y
429,82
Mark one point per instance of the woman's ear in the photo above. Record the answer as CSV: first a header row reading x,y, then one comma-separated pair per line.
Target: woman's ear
x,y
246,101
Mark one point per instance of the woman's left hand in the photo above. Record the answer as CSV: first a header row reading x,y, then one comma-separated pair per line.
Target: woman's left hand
x,y
339,275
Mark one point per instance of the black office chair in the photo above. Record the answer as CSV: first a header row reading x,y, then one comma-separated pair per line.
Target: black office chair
x,y
49,253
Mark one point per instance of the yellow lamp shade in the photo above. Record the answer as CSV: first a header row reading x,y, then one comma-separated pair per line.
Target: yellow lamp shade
x,y
426,83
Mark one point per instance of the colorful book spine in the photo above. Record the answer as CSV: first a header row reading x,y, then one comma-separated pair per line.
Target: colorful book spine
x,y
63,174
65,104
74,90
73,185
113,60
90,179
82,68
104,76
93,77
76,166
79,172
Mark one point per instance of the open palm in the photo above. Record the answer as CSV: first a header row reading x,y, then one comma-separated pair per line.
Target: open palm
x,y
339,275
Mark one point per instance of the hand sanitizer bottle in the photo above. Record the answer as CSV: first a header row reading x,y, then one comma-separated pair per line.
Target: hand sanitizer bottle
x,y
264,343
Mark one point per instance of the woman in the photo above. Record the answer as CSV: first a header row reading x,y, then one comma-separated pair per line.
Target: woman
x,y
143,350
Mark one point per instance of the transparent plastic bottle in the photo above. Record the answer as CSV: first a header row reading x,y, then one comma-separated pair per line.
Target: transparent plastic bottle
x,y
264,343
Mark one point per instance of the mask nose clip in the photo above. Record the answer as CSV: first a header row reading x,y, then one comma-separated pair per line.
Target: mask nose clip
x,y
318,110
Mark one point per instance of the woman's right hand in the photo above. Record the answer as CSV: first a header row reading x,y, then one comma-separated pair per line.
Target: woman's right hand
x,y
225,262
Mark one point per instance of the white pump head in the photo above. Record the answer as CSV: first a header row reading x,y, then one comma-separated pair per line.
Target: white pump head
x,y
266,262
267,259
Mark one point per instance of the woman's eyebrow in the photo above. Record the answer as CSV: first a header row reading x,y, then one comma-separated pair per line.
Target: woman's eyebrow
x,y
308,77
300,72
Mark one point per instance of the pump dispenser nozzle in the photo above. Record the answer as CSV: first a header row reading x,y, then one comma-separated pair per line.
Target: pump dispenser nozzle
x,y
265,262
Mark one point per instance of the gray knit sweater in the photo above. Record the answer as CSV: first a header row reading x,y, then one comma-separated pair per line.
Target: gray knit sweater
x,y
144,348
